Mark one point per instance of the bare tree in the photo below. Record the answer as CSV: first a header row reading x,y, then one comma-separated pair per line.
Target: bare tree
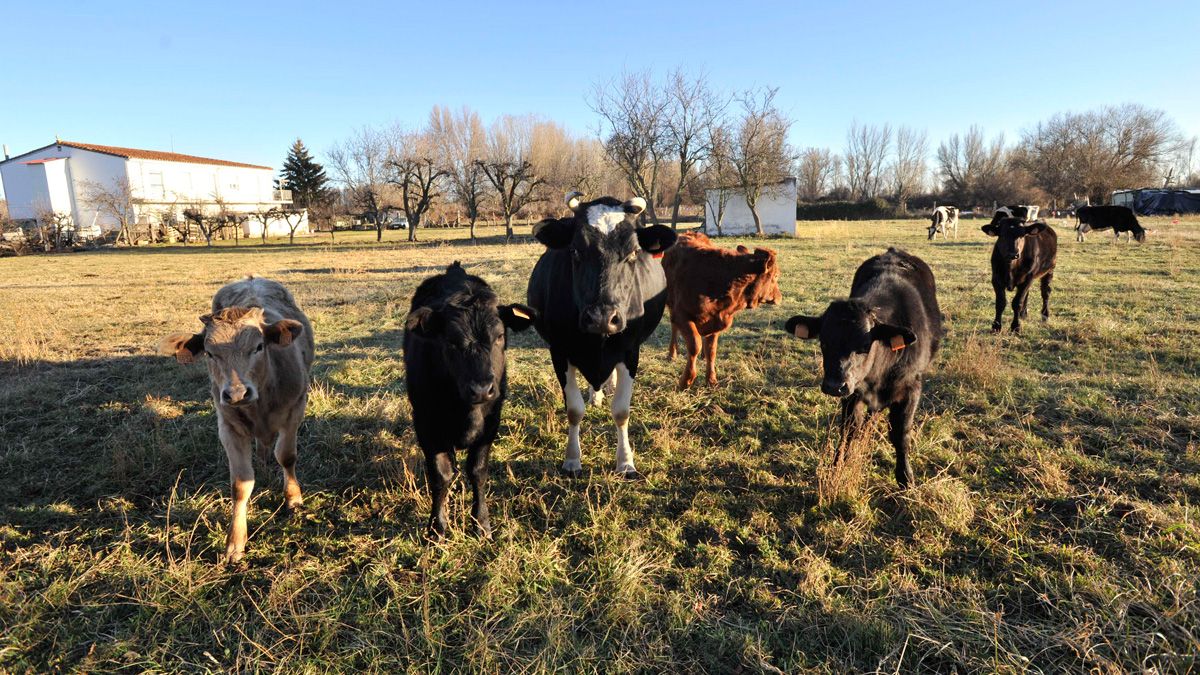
x,y
418,174
206,224
293,218
633,128
692,108
816,170
908,165
866,152
51,226
115,201
759,156
462,140
718,175
265,216
360,164
508,168
975,172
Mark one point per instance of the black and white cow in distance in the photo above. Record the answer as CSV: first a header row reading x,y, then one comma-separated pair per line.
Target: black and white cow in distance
x,y
1025,213
454,364
598,292
944,219
1117,218
877,345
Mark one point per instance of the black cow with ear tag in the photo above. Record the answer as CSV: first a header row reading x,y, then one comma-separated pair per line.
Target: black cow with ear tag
x,y
454,365
877,345
599,292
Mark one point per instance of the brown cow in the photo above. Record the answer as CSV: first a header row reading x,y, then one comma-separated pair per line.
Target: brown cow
x,y
259,348
706,286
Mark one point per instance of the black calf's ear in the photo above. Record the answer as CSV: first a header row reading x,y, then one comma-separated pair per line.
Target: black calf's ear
x,y
555,233
422,321
185,347
896,337
517,316
804,327
282,332
991,229
656,239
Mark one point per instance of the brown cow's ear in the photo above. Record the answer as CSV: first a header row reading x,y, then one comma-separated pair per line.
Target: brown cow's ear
x,y
422,321
1036,228
555,233
516,316
804,327
656,239
185,347
896,337
991,229
282,332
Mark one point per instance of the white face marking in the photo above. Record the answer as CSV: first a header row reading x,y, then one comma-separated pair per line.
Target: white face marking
x,y
620,410
605,218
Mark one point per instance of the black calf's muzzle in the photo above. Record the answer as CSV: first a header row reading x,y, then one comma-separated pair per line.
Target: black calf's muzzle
x,y
602,320
833,388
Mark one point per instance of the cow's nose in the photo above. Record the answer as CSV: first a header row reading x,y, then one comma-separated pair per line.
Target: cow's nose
x,y
604,320
483,391
835,388
1013,256
237,395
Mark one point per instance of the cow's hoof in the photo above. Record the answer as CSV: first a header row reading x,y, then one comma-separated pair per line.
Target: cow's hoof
x,y
570,473
631,474
995,328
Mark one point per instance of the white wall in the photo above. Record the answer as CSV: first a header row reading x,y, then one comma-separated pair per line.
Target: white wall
x,y
776,210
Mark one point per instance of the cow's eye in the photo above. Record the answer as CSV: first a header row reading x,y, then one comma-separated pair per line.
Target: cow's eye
x,y
259,348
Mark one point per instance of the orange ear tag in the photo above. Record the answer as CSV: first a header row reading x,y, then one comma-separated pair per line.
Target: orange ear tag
x,y
657,256
898,343
801,331
520,314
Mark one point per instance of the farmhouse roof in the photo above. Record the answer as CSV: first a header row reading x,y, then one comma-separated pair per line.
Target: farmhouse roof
x,y
134,153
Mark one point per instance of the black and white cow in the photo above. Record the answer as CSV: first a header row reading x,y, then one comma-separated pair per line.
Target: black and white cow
x,y
454,365
944,219
877,345
1117,218
1025,213
599,292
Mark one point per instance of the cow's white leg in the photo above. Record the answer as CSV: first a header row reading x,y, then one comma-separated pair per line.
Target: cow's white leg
x,y
620,412
575,409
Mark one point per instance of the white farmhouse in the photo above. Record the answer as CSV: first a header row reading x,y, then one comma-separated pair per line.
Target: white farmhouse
x,y
776,210
60,177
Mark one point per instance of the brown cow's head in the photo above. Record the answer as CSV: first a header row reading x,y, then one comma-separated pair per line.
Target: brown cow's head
x,y
234,340
764,289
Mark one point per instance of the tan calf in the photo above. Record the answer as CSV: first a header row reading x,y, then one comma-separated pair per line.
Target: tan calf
x,y
259,348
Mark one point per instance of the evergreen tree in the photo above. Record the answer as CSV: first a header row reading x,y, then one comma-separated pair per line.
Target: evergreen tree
x,y
304,177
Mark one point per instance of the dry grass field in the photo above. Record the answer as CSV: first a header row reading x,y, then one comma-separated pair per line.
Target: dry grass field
x,y
1055,526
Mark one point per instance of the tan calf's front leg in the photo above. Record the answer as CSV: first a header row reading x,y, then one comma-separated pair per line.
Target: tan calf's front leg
x,y
710,357
285,454
691,340
241,479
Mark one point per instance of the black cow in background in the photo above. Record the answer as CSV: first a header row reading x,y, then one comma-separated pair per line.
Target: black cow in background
x,y
1021,255
599,293
1118,218
877,345
454,365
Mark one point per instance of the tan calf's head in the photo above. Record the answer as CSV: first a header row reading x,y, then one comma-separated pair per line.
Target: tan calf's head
x,y
234,340
765,287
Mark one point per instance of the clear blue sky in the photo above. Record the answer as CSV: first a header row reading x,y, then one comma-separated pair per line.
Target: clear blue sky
x,y
240,80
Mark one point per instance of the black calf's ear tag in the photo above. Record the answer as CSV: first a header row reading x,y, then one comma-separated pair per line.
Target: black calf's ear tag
x,y
520,314
897,343
801,331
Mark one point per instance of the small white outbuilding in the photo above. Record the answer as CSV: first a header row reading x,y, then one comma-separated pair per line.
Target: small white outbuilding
x,y
776,210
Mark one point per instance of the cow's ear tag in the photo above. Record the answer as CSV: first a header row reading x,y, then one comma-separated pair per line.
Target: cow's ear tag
x,y
801,331
898,343
519,314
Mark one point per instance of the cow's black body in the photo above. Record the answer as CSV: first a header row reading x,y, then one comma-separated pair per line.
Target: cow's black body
x,y
877,345
454,364
1117,218
1021,255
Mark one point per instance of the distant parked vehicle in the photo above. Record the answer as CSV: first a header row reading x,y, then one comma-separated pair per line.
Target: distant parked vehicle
x,y
397,223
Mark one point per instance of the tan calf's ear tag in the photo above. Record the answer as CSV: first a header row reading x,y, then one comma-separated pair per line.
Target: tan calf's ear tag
x,y
801,331
520,314
898,343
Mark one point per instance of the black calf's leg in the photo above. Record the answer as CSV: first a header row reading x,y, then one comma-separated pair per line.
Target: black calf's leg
x,y
1046,295
1020,299
439,471
477,474
1000,302
901,417
854,421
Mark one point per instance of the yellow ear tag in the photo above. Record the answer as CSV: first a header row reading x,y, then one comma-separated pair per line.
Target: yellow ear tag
x,y
518,313
801,331
898,343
